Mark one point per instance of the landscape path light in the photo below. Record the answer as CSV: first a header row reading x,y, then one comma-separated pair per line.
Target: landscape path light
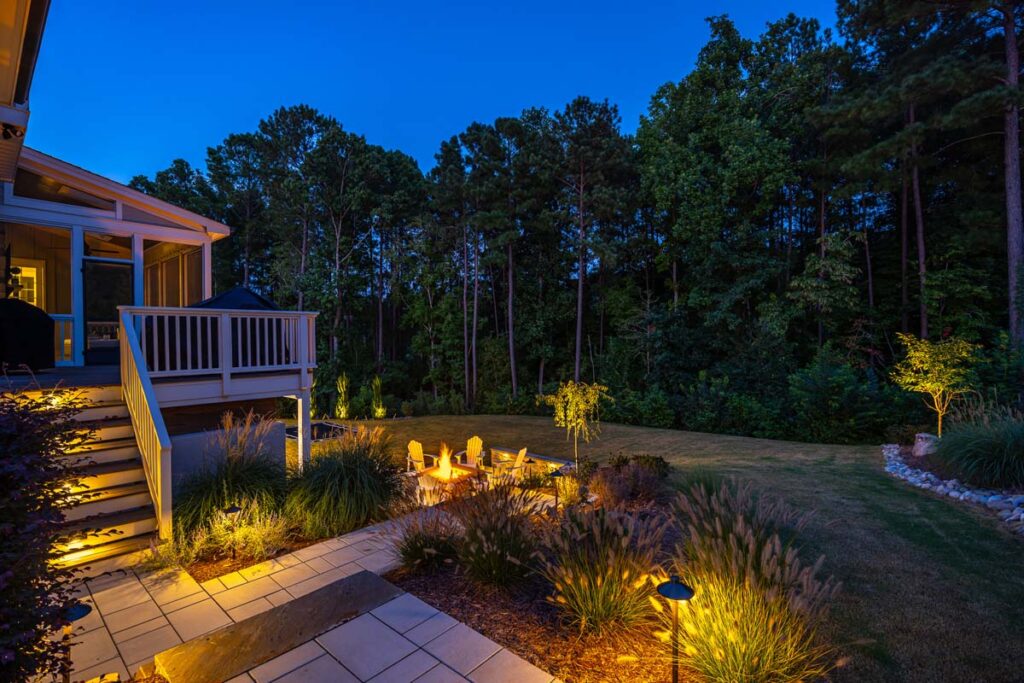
x,y
74,613
675,591
555,475
232,515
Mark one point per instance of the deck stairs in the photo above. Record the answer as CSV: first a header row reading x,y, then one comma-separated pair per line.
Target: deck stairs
x,y
113,512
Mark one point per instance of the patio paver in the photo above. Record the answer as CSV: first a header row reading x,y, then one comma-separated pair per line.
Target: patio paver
x,y
402,640
366,646
462,648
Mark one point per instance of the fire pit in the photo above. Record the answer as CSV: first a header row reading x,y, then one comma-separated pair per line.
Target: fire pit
x,y
446,470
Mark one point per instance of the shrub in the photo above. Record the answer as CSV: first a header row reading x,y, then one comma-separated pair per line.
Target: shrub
x,y
351,482
240,472
342,405
35,482
985,454
427,538
757,607
499,538
617,485
982,410
598,562
831,402
254,535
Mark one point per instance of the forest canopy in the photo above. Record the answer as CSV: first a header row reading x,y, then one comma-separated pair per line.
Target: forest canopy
x,y
741,264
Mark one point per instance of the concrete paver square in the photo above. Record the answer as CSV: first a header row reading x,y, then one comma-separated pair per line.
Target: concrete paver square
x,y
404,612
120,595
431,628
195,620
462,648
239,595
508,667
148,644
293,575
92,648
440,674
366,646
323,669
170,585
407,670
289,661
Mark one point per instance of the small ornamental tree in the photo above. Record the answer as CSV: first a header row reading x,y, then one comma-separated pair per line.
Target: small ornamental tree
x,y
341,405
942,370
379,411
577,410
36,479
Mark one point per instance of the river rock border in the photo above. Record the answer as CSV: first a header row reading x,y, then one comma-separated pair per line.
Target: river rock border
x,y
1006,506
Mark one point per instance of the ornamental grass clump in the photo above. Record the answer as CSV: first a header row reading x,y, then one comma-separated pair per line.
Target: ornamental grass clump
x,y
351,482
758,608
989,453
240,471
499,538
253,535
598,562
427,539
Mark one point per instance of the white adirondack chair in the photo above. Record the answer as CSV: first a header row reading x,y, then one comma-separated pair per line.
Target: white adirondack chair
x,y
471,456
416,460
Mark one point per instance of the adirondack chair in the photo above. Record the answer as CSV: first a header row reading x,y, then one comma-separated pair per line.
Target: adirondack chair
x,y
416,460
513,470
471,456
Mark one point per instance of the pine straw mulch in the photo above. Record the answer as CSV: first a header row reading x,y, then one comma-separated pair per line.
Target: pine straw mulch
x,y
523,621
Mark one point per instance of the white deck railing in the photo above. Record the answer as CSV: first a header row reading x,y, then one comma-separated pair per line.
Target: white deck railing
x,y
181,342
150,432
203,344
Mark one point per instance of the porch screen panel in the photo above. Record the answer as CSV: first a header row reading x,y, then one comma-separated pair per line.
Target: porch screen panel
x,y
39,271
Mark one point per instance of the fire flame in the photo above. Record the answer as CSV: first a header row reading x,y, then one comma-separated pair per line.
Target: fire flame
x,y
444,463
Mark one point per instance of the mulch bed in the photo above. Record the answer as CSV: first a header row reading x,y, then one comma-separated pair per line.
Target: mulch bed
x,y
204,570
523,621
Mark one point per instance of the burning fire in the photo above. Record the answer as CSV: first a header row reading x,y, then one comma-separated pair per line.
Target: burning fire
x,y
444,463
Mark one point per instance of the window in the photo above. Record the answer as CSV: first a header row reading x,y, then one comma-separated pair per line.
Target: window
x,y
29,281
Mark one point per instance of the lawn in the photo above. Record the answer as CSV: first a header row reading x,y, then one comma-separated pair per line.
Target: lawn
x,y
932,590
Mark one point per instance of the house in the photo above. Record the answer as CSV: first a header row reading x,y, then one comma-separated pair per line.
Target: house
x,y
118,271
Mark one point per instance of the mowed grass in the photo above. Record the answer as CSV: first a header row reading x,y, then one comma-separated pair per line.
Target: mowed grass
x,y
932,590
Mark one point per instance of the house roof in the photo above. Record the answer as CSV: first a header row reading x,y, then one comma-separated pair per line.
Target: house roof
x,y
79,178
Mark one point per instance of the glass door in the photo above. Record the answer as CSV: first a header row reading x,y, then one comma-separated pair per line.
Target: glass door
x,y
106,284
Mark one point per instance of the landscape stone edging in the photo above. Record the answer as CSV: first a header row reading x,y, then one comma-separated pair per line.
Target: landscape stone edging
x,y
1008,507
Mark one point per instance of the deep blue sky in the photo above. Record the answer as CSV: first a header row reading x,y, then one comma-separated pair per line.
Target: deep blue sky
x,y
125,86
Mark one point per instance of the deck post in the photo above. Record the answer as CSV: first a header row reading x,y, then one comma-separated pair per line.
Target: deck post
x,y
77,296
305,436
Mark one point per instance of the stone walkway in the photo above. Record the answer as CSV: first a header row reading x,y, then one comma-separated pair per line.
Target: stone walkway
x,y
139,614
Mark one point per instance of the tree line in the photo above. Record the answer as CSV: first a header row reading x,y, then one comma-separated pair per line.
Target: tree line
x,y
742,263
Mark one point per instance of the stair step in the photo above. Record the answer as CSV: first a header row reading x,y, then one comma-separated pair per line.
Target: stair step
x,y
103,410
109,500
106,474
106,528
88,554
107,430
107,451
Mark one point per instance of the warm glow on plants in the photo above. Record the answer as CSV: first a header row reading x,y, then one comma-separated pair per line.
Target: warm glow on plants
x,y
341,406
940,369
379,411
576,406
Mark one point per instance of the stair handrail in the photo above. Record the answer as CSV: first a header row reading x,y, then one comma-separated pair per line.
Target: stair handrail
x,y
151,435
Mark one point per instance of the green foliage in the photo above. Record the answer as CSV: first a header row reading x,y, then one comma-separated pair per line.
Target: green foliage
x,y
597,561
36,479
254,535
576,406
238,471
342,405
350,482
649,408
989,454
758,608
427,538
377,404
941,370
831,402
711,405
499,539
